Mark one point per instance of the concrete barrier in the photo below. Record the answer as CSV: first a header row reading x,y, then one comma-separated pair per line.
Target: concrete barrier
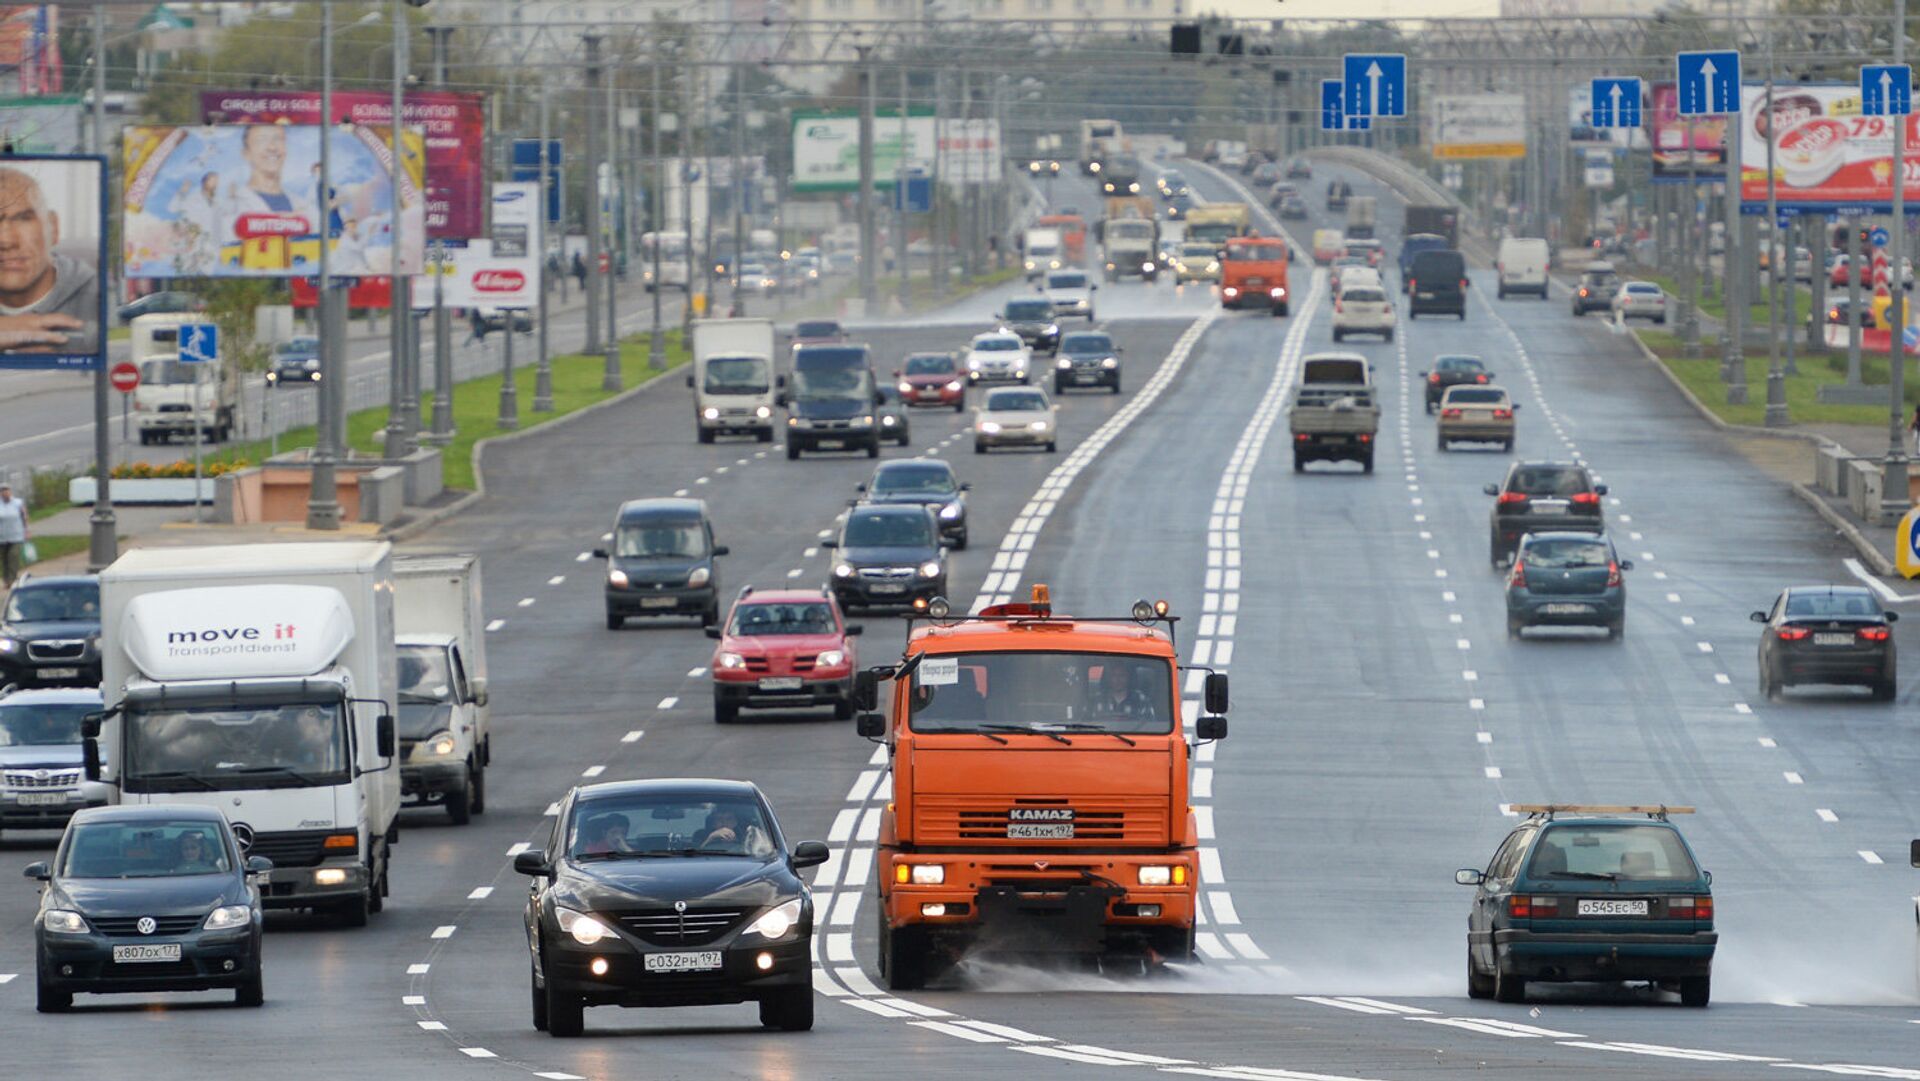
x,y
426,476
383,494
1863,489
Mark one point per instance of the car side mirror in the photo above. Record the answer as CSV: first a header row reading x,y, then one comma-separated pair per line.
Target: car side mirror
x,y
1210,727
896,373
808,854
1491,489
1467,876
1757,617
829,543
258,865
383,742
1515,407
1893,617
40,872
600,553
1599,489
854,630
532,863
1421,374
966,486
722,550
879,398
713,632
1626,564
870,726
1216,692
866,691
861,487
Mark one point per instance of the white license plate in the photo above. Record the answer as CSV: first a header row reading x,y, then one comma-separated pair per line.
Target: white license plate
x,y
1423,296
42,799
887,588
930,395
137,955
780,683
1833,639
701,961
1612,908
1549,508
1085,377
659,602
1567,609
59,673
832,444
1040,831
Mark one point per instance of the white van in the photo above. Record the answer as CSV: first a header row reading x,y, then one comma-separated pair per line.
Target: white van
x,y
1522,265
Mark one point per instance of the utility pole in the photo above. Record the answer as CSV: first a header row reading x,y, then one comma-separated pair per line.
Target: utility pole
x,y
400,434
612,379
543,380
103,538
900,199
1734,261
686,194
656,347
590,96
867,254
737,191
1779,250
1690,254
1894,496
323,499
442,326
941,192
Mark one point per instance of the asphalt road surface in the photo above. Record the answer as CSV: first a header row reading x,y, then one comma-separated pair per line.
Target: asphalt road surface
x,y
1381,720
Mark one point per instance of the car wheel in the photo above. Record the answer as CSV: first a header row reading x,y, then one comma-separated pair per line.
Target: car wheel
x,y
1059,387
1366,464
1617,629
960,542
1115,385
1478,986
764,435
1429,406
873,448
566,1014
979,447
725,712
1695,991
459,801
1299,462
1052,446
1508,987
1660,319
904,953
711,617
1506,445
705,435
1885,690
843,710
789,1009
1337,336
1411,314
1515,627
961,405
1768,690
539,997
477,787
252,992
614,622
793,450
49,1000
1440,442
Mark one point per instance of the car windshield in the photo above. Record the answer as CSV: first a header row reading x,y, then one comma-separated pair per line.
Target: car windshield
x,y
77,603
995,345
1348,261
1476,396
1635,853
913,530
645,825
1197,251
810,617
426,674
1548,481
298,347
1067,281
146,848
1460,364
1566,553
1087,345
1837,603
816,329
940,364
737,375
830,383
916,479
168,372
1273,252
42,724
660,540
1017,401
1642,287
1029,310
1056,693
175,749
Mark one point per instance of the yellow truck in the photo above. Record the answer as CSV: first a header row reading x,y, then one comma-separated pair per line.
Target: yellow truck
x,y
1218,223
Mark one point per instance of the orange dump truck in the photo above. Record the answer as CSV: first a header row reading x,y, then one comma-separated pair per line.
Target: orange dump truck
x,y
1254,274
1073,235
1040,789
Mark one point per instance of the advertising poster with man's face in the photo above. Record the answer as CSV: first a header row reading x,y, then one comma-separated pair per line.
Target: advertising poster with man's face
x,y
245,201
51,248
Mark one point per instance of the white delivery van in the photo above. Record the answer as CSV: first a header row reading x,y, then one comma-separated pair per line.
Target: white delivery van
x,y
733,379
259,679
446,742
175,397
1043,252
1522,265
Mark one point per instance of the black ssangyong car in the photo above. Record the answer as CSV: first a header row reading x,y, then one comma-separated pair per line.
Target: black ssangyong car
x,y
669,892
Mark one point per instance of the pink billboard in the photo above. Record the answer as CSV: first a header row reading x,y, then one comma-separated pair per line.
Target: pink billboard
x,y
1671,150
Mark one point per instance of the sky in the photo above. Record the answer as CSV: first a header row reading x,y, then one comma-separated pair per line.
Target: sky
x,y
1343,9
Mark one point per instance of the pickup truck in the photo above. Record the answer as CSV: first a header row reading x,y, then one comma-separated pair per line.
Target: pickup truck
x,y
1332,411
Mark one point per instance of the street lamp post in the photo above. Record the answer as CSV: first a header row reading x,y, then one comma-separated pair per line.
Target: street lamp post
x,y
323,502
103,541
543,381
442,328
611,378
1894,496
400,435
656,346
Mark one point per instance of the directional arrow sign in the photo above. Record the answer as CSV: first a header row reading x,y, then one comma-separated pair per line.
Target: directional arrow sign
x,y
1332,106
1886,90
1708,82
199,343
1376,84
1616,103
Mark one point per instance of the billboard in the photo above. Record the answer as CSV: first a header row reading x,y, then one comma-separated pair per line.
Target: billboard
x,y
1670,149
474,277
53,230
969,152
42,125
30,49
826,147
1828,156
1580,127
243,201
1479,127
454,125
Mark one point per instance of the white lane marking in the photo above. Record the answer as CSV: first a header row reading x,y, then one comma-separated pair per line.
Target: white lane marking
x,y
1722,678
477,1052
959,1031
1793,778
863,786
1343,1004
1476,703
809,553
480,893
1687,621
413,1000
1208,943
679,491
1885,591
1767,741
668,702
518,847
1244,943
696,673
1074,1056
1470,675
844,905
583,557
553,809
1125,1056
556,579
1483,737
633,736
1395,1007
1003,1031
1673,598
1222,904
1210,870
1871,856
444,931
1462,643
432,1026
1493,1027
1493,773
1742,707
796,572
842,827
1827,816
1203,822
526,602
1659,1051
1704,647
1203,783
419,969
593,771
556,1075
495,625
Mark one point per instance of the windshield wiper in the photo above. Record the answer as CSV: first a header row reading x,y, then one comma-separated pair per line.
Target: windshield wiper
x,y
1598,876
1081,726
408,698
1025,731
177,775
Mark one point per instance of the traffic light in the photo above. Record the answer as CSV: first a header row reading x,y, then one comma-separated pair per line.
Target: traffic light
x,y
1186,39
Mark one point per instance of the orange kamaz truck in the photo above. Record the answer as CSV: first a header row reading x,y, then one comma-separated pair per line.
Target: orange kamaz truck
x,y
1040,788
1253,273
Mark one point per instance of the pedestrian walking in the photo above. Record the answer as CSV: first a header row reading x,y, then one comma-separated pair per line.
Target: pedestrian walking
x,y
13,535
580,269
477,331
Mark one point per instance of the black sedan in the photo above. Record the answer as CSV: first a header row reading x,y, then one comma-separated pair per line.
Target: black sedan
x,y
1453,371
1827,634
295,361
50,632
888,556
926,482
1087,359
1034,320
669,893
148,898
1538,497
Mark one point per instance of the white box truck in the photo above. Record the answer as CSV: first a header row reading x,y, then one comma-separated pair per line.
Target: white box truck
x,y
733,378
259,679
1043,252
1363,214
174,397
446,742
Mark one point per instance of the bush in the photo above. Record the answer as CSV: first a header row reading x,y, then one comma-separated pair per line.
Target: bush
x,y
49,488
181,469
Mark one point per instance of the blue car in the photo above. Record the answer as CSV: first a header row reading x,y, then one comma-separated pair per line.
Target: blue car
x,y
1567,580
1610,895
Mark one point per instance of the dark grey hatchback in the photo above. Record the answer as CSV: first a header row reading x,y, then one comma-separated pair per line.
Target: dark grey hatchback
x,y
148,898
1827,634
1543,496
1567,580
662,562
669,892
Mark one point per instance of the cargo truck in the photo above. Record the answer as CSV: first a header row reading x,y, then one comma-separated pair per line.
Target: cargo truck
x,y
1332,412
1041,248
1073,237
1040,788
446,742
1253,273
259,679
176,397
1216,223
1438,220
1363,214
733,379
1130,238
1098,139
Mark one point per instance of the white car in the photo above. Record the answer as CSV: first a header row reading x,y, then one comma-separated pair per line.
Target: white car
x,y
998,356
756,281
1015,417
1640,300
1071,292
1362,309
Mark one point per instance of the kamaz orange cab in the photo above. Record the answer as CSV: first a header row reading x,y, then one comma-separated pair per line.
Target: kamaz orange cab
x,y
1073,235
1254,273
1040,789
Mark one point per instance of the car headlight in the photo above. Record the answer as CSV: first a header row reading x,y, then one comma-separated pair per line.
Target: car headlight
x,y
930,569
973,363
763,412
1054,265
793,422
906,387
955,385
989,426
886,422
1213,265
1133,188
732,660
8,645
1109,363
438,745
585,929
952,511
832,658
61,921
1053,328
710,413
776,922
928,874
1029,264
843,570
1037,426
862,421
227,917
1229,291
699,577
1146,268
617,579
1063,363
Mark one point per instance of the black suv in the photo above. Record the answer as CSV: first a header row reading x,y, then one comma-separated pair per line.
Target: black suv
x,y
1542,496
1827,634
1597,285
1453,371
1034,320
50,633
889,555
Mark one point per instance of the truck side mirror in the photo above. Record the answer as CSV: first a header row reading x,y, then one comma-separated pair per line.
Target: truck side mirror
x,y
532,863
689,380
808,854
780,398
383,736
1913,854
870,726
1212,726
90,757
779,380
866,691
1216,692
90,725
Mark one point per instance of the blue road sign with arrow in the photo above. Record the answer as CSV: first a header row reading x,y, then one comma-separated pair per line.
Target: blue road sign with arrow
x,y
199,343
1879,237
1616,103
1376,84
1333,109
1886,90
1708,82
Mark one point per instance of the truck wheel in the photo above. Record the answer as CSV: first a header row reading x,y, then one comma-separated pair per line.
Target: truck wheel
x,y
705,435
460,800
764,435
873,448
904,958
253,991
353,913
1387,337
477,788
1280,311
1366,463
1337,336
1299,462
790,1009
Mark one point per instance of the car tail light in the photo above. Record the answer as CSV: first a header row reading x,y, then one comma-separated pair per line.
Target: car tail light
x,y
1587,499
1508,499
1303,437
1875,634
1503,414
1613,573
1524,906
1518,578
1450,413
1434,378
1413,283
1366,437
1690,908
1463,285
1479,378
1583,292
1793,634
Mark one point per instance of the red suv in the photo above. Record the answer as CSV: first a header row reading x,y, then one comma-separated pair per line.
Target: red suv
x,y
933,379
783,649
